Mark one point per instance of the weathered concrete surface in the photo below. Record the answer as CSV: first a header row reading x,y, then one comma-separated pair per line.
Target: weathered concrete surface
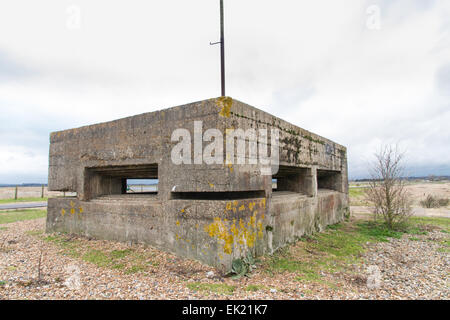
x,y
243,212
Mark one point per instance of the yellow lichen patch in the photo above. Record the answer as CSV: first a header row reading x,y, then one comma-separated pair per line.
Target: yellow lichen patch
x,y
241,224
251,205
72,211
225,104
230,166
251,239
243,233
211,185
262,203
72,204
218,229
252,222
228,206
63,212
178,223
80,209
228,246
233,229
182,210
242,208
260,230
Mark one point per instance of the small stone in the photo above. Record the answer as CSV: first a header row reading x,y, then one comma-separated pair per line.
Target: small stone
x,y
210,274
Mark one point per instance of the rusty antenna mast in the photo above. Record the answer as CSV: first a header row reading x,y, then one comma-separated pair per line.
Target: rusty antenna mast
x,y
222,49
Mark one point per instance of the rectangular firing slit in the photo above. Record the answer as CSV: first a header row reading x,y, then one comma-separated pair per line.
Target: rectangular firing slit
x,y
227,195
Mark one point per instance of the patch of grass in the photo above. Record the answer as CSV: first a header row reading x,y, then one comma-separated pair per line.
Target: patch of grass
x,y
254,288
330,251
70,247
415,229
377,231
119,254
356,192
127,259
2,283
343,244
334,226
356,196
135,269
220,288
98,258
434,221
34,232
118,266
20,215
3,228
285,261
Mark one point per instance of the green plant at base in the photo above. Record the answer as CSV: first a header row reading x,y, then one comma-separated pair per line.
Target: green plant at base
x,y
241,267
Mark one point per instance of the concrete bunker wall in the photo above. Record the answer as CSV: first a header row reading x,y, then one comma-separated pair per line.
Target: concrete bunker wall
x,y
210,212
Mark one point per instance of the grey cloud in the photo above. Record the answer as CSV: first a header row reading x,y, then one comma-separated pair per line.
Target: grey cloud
x,y
10,69
443,80
311,63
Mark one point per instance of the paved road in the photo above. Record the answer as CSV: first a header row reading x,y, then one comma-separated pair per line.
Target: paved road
x,y
23,205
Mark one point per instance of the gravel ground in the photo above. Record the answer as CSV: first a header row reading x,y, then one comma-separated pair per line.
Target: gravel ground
x,y
399,269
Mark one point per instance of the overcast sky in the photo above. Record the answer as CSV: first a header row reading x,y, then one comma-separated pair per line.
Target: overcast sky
x,y
362,73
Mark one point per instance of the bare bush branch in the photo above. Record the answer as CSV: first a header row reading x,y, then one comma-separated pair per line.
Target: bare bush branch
x,y
386,191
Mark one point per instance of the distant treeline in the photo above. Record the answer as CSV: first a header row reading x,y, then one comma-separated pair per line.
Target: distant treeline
x,y
429,178
23,185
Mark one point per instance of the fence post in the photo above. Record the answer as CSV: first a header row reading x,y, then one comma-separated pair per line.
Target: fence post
x,y
15,194
42,192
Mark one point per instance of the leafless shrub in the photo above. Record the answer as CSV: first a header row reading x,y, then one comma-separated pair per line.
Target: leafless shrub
x,y
39,280
434,202
386,191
